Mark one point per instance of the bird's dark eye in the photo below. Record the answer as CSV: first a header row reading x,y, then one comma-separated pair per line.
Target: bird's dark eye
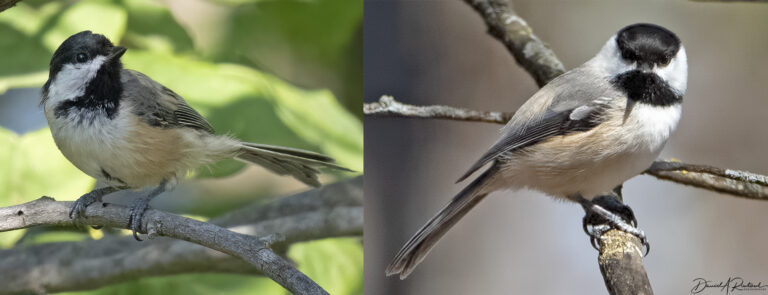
x,y
81,57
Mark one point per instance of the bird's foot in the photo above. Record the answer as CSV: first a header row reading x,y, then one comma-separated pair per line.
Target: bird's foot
x,y
77,212
138,208
604,213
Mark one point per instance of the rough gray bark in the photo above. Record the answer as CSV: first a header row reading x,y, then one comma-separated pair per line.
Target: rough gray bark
x,y
76,266
511,30
331,211
254,250
728,181
621,263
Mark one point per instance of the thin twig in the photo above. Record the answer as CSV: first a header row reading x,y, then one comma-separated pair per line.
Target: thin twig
x,y
254,250
737,175
730,184
387,106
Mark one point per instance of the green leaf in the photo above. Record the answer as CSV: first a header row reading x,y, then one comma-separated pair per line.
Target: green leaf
x,y
335,264
33,167
30,20
152,26
319,118
317,43
98,16
241,2
317,31
24,63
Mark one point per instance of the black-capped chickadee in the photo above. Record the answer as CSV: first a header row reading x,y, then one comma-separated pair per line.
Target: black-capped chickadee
x,y
581,135
128,131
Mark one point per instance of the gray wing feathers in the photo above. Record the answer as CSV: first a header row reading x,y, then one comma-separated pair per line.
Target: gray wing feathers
x,y
187,116
546,128
159,106
554,110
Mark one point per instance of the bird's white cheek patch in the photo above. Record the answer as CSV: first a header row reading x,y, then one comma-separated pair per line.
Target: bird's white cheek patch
x,y
71,81
676,73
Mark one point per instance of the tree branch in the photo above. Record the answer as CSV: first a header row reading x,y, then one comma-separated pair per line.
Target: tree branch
x,y
5,4
77,266
733,182
44,268
621,263
512,31
254,250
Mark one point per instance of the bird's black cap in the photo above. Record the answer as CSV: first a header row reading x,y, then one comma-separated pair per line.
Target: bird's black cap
x,y
647,44
85,42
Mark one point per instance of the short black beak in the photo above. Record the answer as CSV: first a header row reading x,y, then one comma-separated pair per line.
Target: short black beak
x,y
646,66
116,52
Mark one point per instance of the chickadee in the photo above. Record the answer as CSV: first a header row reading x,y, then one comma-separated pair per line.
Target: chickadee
x,y
129,131
581,135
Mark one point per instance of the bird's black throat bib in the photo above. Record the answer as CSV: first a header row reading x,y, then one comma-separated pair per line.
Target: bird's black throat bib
x,y
101,96
648,88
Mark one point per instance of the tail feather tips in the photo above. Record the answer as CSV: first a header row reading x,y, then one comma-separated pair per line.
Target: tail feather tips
x,y
302,165
419,246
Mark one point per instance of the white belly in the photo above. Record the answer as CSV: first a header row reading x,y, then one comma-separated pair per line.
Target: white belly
x,y
94,146
593,162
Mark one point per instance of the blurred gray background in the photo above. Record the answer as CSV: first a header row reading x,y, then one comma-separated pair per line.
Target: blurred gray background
x,y
438,52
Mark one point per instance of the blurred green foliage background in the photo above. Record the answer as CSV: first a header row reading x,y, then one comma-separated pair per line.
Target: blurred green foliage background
x,y
284,72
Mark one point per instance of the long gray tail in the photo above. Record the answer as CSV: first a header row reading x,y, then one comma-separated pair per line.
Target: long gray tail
x,y
302,165
417,248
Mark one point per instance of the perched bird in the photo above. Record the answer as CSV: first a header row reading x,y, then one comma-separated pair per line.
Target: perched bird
x,y
129,131
580,136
